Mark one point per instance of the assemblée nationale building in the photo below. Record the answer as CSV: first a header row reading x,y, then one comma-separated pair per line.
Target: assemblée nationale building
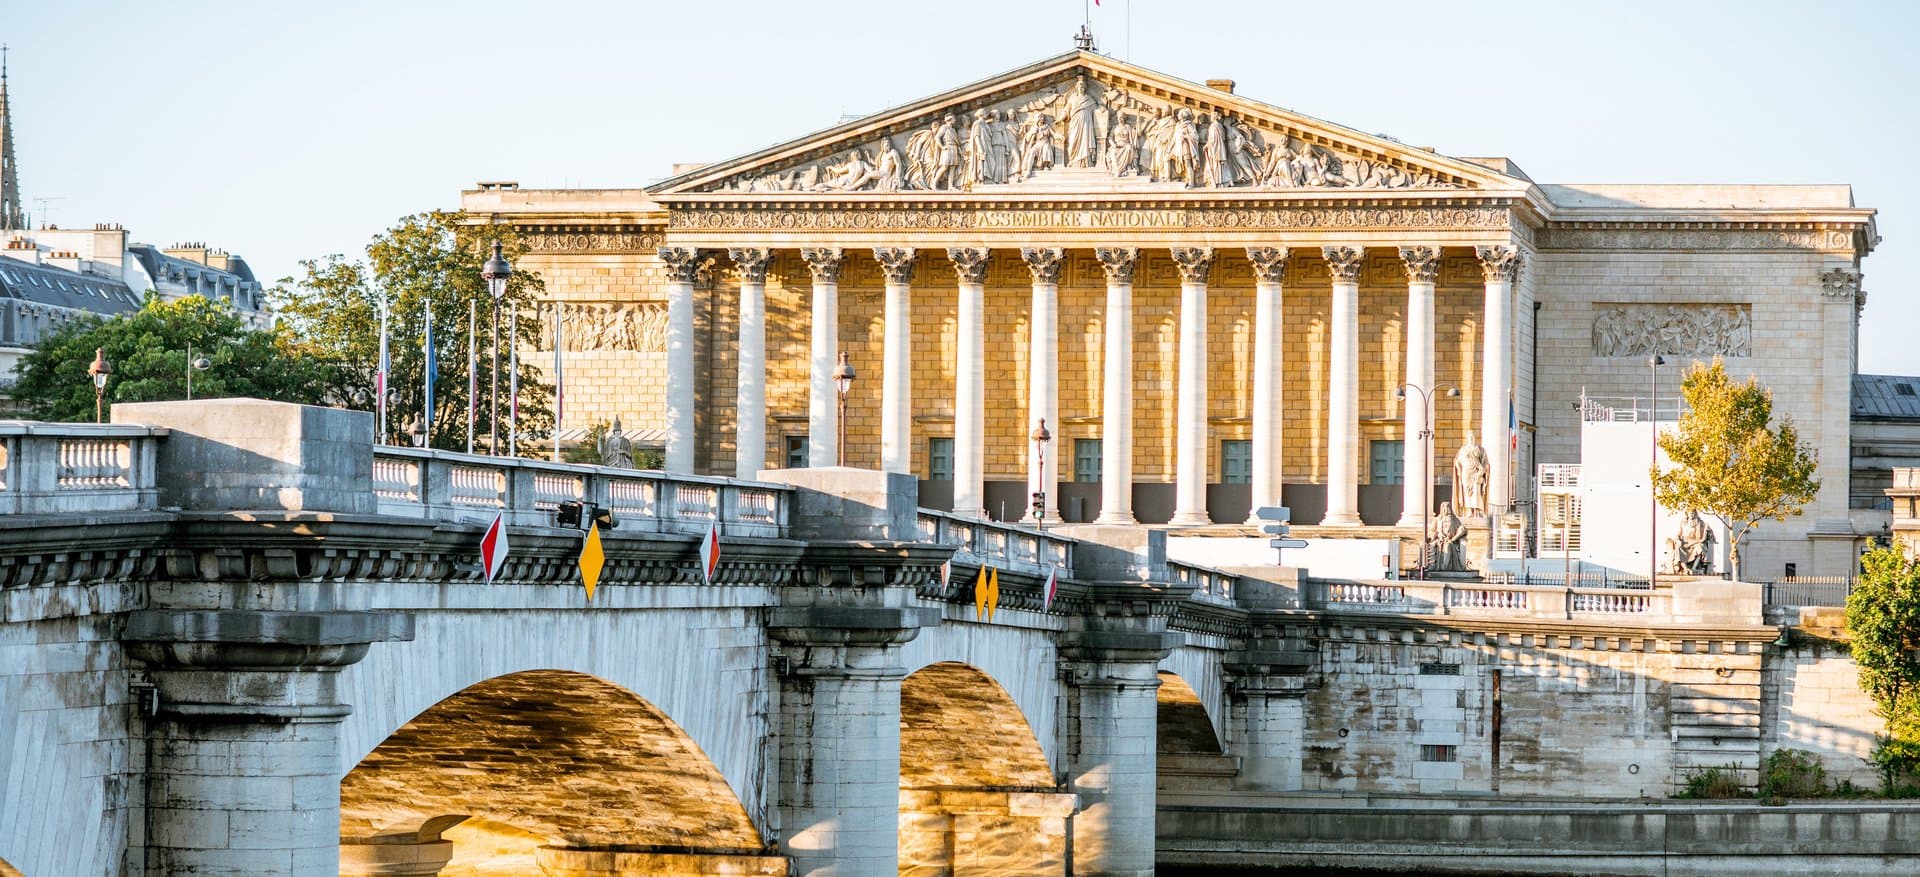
x,y
1213,303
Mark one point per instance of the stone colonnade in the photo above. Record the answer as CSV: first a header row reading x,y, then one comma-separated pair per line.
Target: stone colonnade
x,y
1500,266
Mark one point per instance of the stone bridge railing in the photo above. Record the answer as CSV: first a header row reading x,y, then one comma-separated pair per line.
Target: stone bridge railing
x,y
1010,547
63,468
442,485
1490,600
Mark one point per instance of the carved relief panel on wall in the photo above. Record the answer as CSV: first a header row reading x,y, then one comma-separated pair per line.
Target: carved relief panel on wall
x,y
1083,123
639,327
1636,330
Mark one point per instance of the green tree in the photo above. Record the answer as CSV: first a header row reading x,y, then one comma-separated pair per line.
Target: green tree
x,y
148,352
1883,628
427,263
1730,461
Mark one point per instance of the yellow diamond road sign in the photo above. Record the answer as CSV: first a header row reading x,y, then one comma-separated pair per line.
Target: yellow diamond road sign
x,y
592,559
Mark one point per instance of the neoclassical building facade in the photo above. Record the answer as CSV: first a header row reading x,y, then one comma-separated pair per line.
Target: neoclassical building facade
x,y
1213,303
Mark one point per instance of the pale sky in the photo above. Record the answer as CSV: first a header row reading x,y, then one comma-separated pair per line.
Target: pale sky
x,y
290,130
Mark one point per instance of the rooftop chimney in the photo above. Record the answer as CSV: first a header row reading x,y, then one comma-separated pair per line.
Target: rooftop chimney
x,y
1225,85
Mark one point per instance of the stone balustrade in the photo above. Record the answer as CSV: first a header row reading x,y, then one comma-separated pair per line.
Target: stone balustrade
x,y
1011,547
62,468
1208,583
1490,600
443,485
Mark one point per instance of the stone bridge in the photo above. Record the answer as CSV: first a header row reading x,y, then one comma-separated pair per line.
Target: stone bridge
x,y
236,638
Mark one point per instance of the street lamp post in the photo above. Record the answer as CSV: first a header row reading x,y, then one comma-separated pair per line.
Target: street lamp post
x,y
1426,453
1040,437
495,273
1654,363
194,365
99,369
418,432
842,381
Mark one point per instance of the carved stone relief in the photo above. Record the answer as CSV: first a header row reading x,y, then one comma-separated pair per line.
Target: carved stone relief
x,y
640,327
1047,218
1086,124
565,240
1637,330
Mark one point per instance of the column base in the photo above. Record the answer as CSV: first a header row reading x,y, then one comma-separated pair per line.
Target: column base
x,y
1409,521
1343,519
1189,519
1123,519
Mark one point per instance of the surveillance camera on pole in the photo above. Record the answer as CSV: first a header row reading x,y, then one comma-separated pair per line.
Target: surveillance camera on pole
x,y
1280,516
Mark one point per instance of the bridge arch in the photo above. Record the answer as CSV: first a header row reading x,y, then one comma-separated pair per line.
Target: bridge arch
x,y
1185,726
976,793
7,870
517,769
1022,662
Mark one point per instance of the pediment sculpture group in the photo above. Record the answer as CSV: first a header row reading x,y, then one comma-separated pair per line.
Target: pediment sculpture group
x,y
1088,126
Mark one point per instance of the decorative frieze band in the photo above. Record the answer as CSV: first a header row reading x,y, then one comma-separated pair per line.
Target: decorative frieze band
x,y
1842,240
1639,330
1251,218
583,240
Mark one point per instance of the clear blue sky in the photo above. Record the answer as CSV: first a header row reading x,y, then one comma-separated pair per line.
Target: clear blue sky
x,y
289,130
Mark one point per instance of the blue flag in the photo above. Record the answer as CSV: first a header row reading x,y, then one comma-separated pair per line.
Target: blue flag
x,y
433,365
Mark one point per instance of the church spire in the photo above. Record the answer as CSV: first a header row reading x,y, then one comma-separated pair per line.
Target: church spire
x,y
12,217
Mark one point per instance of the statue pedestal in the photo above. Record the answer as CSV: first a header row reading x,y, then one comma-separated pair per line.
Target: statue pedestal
x,y
1479,549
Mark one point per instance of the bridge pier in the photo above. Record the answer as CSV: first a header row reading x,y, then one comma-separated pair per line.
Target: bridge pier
x,y
1268,684
1112,721
243,730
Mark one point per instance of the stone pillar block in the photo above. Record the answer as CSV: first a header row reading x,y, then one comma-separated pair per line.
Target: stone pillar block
x,y
843,503
254,454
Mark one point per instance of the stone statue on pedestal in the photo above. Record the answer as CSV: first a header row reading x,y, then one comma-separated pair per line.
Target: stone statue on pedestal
x,y
1470,468
1447,542
1690,551
616,450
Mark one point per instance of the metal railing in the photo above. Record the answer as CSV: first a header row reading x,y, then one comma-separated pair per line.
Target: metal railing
x,y
58,468
1810,591
442,485
1010,547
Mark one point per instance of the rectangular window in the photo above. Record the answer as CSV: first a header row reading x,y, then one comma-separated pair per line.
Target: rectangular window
x,y
796,452
940,459
1236,462
1386,461
1086,460
1433,752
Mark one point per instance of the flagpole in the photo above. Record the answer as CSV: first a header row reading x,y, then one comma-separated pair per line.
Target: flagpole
x,y
513,382
430,366
473,360
559,376
380,384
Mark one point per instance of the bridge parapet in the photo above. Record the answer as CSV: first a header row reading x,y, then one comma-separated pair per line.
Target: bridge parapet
x,y
1010,547
448,486
62,468
1681,602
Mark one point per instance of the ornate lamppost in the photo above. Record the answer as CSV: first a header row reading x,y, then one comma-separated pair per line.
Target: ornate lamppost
x,y
842,381
99,370
495,273
1426,453
1654,363
1040,436
194,365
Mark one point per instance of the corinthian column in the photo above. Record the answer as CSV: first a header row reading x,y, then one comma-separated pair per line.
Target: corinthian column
x,y
1116,396
896,383
1270,271
1423,267
1043,376
1343,383
1500,267
682,264
1190,461
969,383
750,402
823,412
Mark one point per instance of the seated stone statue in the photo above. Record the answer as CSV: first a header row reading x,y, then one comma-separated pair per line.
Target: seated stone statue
x,y
616,449
1447,542
1690,551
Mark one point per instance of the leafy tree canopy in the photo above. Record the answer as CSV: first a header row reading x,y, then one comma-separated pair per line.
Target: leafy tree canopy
x,y
427,264
1730,461
1883,626
148,352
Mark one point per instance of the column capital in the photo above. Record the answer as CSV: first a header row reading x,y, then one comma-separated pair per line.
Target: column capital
x,y
1269,264
751,262
1343,263
1499,262
825,263
1194,263
896,263
1422,263
1044,262
1119,262
970,263
683,264
1840,283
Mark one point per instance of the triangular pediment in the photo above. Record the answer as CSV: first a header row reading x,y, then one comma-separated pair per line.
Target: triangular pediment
x,y
1082,123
